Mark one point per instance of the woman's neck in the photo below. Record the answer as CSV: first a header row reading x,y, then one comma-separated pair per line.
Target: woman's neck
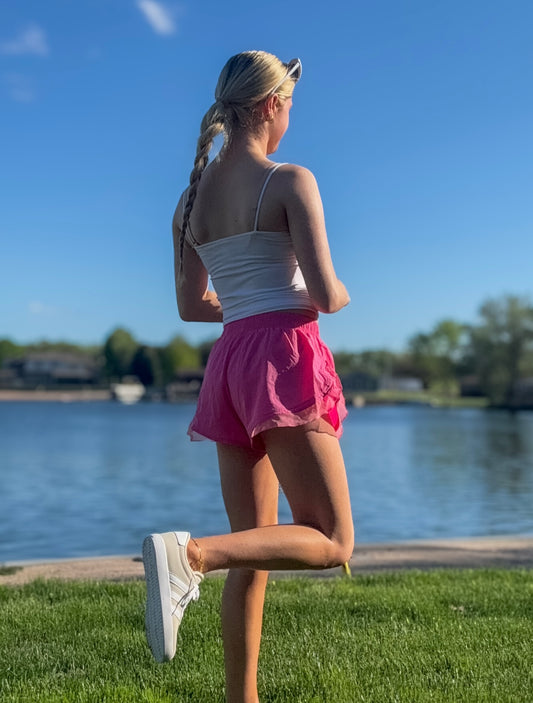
x,y
247,145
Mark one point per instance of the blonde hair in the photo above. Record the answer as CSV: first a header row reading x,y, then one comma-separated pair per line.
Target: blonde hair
x,y
245,81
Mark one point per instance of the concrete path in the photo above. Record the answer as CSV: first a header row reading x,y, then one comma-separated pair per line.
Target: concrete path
x,y
503,552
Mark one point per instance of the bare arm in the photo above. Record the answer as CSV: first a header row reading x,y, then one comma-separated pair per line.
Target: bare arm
x,y
196,303
305,217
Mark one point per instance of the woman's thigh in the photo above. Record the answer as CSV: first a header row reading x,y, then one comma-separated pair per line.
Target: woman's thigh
x,y
249,487
310,468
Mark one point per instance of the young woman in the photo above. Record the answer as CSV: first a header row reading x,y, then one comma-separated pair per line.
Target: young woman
x,y
271,399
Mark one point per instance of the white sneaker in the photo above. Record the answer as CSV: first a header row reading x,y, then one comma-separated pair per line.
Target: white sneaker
x,y
171,585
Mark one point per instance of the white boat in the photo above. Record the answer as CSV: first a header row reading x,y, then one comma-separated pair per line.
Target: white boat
x,y
128,391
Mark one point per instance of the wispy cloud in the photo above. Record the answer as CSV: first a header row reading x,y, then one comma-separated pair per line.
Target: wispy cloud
x,y
20,87
30,41
36,307
159,17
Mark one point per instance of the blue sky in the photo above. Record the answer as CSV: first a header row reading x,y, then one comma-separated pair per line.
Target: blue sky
x,y
415,116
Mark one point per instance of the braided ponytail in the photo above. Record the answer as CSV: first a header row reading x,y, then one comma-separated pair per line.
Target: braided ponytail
x,y
245,81
212,125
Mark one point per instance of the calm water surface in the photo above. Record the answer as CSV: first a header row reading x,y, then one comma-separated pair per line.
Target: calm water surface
x,y
85,479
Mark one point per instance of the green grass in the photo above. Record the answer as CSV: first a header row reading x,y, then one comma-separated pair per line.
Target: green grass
x,y
406,637
423,397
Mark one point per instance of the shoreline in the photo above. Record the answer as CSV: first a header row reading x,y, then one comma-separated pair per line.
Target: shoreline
x,y
353,399
66,396
457,553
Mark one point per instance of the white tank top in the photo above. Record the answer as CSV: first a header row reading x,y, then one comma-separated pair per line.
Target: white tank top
x,y
255,272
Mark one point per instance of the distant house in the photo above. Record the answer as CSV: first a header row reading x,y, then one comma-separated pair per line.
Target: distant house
x,y
407,384
185,386
523,394
358,382
50,368
8,377
470,387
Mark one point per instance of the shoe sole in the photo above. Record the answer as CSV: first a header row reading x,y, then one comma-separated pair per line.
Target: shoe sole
x,y
158,618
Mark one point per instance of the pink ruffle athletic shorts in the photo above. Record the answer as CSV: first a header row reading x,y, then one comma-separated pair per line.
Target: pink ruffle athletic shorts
x,y
265,371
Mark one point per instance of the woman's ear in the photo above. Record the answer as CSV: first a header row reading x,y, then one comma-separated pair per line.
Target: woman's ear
x,y
270,107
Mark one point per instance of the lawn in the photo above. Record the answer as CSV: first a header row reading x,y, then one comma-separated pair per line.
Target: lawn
x,y
454,636
422,397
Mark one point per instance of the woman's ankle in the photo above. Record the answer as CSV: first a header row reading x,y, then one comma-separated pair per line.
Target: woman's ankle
x,y
195,556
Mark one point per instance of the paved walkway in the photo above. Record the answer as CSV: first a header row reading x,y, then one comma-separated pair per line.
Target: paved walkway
x,y
505,552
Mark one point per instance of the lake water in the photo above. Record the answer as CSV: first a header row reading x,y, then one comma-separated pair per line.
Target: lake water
x,y
89,479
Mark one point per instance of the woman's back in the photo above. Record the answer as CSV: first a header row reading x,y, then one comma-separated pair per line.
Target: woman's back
x,y
254,270
228,197
252,110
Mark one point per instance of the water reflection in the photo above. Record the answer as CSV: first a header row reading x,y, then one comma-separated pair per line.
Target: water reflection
x,y
89,478
426,472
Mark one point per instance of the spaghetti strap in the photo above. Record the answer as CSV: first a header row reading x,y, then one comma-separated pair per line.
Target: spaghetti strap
x,y
260,200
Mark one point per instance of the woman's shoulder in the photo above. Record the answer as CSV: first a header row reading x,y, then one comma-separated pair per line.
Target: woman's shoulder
x,y
295,171
296,180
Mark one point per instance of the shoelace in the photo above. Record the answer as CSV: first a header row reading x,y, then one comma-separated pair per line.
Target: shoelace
x,y
193,594
181,603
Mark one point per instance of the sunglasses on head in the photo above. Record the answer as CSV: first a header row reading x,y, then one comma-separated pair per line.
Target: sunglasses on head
x,y
294,71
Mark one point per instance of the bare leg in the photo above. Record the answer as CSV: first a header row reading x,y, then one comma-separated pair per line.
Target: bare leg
x,y
250,490
311,471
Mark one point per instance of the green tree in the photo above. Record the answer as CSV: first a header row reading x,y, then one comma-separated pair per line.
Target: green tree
x,y
9,350
119,350
146,365
437,355
502,346
377,362
178,355
373,362
205,349
345,362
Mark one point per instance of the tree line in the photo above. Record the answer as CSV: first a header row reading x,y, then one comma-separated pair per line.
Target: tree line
x,y
122,355
492,354
153,366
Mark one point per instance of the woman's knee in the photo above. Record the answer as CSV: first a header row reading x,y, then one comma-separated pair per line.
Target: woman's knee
x,y
335,549
346,550
341,549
